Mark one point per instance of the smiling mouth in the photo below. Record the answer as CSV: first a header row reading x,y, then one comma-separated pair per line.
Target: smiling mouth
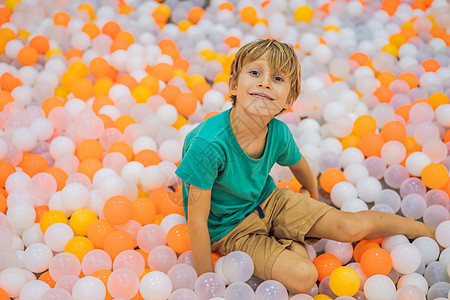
x,y
262,96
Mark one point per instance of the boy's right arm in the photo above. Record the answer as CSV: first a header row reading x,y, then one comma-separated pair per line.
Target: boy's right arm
x,y
199,204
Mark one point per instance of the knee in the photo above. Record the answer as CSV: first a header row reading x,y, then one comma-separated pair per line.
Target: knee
x,y
353,227
302,278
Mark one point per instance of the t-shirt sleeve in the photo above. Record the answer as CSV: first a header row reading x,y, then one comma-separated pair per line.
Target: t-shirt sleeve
x,y
290,154
200,164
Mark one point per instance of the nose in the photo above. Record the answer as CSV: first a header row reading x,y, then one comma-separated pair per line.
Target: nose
x,y
264,81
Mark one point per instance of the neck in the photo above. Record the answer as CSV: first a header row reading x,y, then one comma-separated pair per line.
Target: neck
x,y
248,127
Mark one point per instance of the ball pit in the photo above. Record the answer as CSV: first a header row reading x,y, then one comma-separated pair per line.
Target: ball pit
x,y
97,97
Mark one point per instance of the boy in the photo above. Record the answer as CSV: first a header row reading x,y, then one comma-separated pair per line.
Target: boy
x,y
230,200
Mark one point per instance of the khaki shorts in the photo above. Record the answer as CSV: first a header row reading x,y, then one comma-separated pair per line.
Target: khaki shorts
x,y
288,217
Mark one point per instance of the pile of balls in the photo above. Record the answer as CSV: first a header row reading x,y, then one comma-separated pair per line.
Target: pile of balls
x,y
97,97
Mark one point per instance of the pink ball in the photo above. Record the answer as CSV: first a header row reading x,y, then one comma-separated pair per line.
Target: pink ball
x,y
95,260
57,294
64,264
395,175
123,283
67,282
150,236
130,259
162,258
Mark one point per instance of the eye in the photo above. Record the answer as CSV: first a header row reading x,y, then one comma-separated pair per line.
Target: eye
x,y
278,78
254,72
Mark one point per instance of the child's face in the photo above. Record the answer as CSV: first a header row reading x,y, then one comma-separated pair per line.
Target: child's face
x,y
261,90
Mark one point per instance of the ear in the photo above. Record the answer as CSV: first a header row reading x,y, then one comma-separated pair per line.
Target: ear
x,y
232,85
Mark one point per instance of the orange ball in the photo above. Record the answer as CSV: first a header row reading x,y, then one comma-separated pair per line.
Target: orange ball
x,y
172,204
200,89
59,175
40,211
8,82
437,99
117,241
50,103
82,88
147,157
195,14
2,203
6,169
97,232
40,43
118,210
410,79
91,29
152,83
89,167
431,65
99,67
249,15
33,164
363,246
123,148
384,94
329,178
325,264
157,196
111,28
364,124
214,257
28,56
163,71
144,211
360,57
170,92
123,122
128,80
435,176
371,144
103,275
89,149
5,98
178,238
376,261
61,18
288,184
186,104
45,277
393,131
100,101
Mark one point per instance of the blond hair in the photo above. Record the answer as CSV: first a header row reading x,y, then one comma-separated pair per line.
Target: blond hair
x,y
281,58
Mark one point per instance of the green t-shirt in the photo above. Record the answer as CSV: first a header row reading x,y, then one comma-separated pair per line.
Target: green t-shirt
x,y
214,160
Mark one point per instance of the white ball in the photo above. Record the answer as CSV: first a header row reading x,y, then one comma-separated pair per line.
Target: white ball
x,y
61,145
342,191
322,54
132,172
379,287
89,287
170,150
42,128
24,138
413,279
354,205
171,220
34,289
428,248
155,285
74,196
368,189
167,113
153,177
406,258
351,155
443,234
144,143
21,215
12,280
416,161
37,257
57,235
393,152
355,172
443,114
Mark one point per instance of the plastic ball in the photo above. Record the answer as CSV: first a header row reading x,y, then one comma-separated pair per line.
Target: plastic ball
x,y
368,189
118,210
379,287
79,246
416,162
435,176
237,266
376,261
406,258
57,294
88,287
64,264
343,251
150,236
130,259
341,192
182,276
413,279
153,177
344,281
161,258
413,205
325,264
271,289
178,238
439,290
443,234
95,260
37,257
81,219
412,186
123,283
21,215
436,272
409,292
435,215
117,241
170,221
34,289
156,285
74,196
57,235
239,290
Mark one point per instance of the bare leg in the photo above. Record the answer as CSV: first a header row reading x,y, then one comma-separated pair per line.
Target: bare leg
x,y
350,227
295,270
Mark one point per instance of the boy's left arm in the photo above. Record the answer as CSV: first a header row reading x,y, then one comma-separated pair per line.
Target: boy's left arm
x,y
305,176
